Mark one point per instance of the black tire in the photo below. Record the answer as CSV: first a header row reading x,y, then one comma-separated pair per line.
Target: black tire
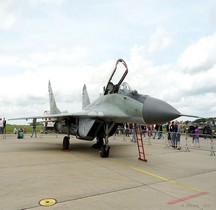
x,y
104,151
66,143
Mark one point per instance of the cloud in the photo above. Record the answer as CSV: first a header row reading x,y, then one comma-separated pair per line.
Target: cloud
x,y
35,59
13,11
190,91
159,40
200,56
9,12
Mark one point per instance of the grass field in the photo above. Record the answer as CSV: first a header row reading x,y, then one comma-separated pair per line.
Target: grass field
x,y
10,128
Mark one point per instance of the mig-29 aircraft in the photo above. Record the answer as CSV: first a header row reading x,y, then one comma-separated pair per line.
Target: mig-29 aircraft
x,y
117,105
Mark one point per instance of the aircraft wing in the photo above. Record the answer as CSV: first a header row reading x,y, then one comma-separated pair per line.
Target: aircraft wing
x,y
116,116
29,118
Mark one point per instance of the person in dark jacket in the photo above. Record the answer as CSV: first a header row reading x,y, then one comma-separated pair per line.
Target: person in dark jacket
x,y
207,132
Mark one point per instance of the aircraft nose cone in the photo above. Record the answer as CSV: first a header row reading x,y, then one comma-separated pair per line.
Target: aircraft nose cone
x,y
158,111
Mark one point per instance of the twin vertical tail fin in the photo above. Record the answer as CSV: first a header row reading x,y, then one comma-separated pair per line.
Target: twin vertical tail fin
x,y
85,97
53,107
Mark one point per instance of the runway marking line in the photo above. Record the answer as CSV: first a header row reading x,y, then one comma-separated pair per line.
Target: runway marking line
x,y
162,178
187,198
199,192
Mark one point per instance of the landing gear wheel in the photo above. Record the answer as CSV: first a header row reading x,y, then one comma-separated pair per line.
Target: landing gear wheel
x,y
66,143
104,151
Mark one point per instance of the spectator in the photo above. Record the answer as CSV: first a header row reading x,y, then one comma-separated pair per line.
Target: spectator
x,y
160,132
156,130
34,128
178,135
15,130
133,134
143,128
172,132
149,127
1,126
175,134
130,128
126,130
20,134
207,131
4,126
168,133
192,130
196,136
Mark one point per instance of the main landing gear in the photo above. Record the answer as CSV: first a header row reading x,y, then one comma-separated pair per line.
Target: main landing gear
x,y
104,150
102,143
66,143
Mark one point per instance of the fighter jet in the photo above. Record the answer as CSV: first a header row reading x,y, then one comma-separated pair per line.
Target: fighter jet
x,y
118,104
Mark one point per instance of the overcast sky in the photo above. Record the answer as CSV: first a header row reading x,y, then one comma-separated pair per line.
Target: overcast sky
x,y
169,47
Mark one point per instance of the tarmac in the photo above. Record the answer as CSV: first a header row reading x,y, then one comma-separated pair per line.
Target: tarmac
x,y
36,174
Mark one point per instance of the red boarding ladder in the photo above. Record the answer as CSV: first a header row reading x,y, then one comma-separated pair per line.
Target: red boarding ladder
x,y
140,144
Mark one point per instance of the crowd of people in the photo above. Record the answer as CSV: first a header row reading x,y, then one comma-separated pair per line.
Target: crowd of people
x,y
20,132
195,133
173,130
173,134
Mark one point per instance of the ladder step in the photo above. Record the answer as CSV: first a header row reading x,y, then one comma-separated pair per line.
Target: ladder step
x,y
140,144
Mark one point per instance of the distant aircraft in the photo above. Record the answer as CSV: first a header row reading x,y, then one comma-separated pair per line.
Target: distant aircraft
x,y
118,104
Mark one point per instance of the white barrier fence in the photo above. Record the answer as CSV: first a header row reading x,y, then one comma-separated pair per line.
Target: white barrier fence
x,y
186,141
